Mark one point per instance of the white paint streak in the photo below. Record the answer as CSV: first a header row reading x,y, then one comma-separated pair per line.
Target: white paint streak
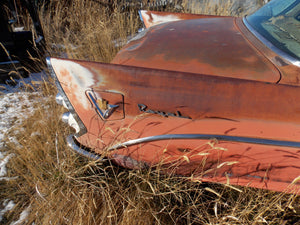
x,y
15,106
81,78
155,19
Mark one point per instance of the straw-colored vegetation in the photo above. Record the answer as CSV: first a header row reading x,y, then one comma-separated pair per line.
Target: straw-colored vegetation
x,y
60,187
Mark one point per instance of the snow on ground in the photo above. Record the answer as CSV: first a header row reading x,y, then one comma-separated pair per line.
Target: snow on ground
x,y
8,206
15,105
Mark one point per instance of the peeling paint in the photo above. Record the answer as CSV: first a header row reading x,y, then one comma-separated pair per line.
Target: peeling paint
x,y
78,77
154,19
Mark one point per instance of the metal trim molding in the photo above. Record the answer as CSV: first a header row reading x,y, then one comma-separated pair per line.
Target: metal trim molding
x,y
250,140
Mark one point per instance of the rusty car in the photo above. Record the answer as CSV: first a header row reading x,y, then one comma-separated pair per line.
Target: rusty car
x,y
212,98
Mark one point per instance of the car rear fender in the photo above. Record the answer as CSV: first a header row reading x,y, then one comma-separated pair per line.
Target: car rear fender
x,y
152,18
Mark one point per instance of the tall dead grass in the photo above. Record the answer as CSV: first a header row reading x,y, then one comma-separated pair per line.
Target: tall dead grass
x,y
223,8
61,187
87,30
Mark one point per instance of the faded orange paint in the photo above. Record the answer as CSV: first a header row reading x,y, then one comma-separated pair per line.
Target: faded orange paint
x,y
223,50
197,75
214,105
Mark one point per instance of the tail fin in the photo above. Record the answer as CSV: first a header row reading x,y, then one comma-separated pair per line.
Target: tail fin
x,y
152,18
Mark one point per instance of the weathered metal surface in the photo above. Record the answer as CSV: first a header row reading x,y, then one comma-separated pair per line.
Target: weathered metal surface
x,y
194,96
159,102
152,18
214,46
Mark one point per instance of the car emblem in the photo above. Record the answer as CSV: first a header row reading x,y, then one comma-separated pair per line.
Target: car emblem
x,y
102,106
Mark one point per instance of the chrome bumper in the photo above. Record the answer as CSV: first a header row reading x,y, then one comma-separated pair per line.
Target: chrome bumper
x,y
73,145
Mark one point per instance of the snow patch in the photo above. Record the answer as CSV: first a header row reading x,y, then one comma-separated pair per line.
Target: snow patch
x,y
16,104
23,217
8,206
3,163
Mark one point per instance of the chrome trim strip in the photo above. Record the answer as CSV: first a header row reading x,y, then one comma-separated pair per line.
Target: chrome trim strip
x,y
65,117
206,137
10,62
279,52
83,129
68,118
141,17
81,151
60,100
107,113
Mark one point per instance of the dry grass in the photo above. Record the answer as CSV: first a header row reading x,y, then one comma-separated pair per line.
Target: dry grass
x,y
61,187
210,7
85,30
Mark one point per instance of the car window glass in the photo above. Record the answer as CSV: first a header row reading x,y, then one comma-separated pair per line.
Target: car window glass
x,y
279,23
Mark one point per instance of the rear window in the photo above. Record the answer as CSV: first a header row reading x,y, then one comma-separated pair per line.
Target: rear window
x,y
279,23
